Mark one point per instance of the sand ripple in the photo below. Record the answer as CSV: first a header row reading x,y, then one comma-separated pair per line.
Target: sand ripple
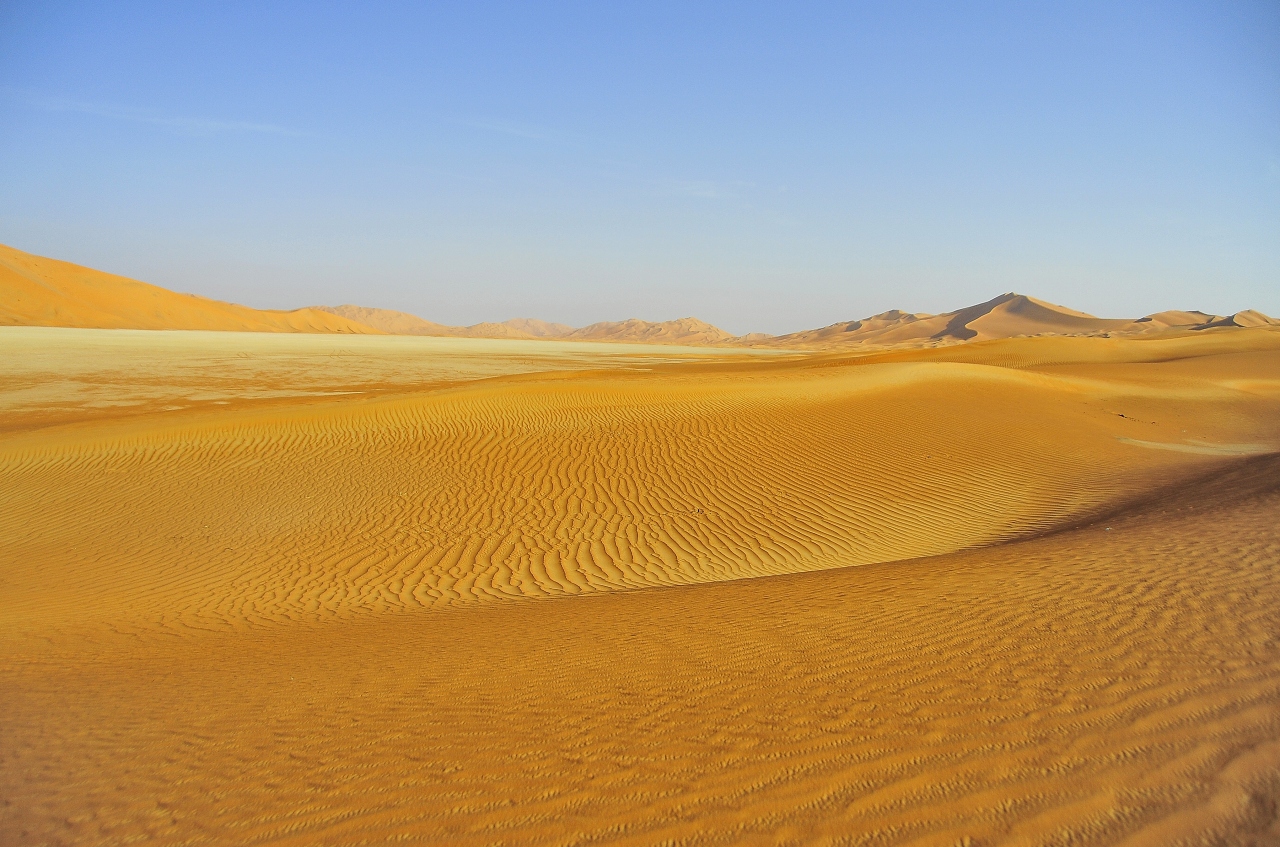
x,y
793,602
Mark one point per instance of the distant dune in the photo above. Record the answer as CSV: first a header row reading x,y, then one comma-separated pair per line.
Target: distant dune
x,y
682,331
1007,316
391,321
403,323
1010,315
535,328
35,291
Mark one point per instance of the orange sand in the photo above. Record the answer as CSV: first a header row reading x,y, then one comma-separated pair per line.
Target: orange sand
x,y
1021,591
35,291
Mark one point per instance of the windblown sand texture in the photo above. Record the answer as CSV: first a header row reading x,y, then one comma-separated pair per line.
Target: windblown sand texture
x,y
284,589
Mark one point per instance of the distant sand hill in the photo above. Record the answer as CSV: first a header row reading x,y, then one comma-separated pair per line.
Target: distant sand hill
x,y
35,291
1007,316
403,323
1010,315
682,331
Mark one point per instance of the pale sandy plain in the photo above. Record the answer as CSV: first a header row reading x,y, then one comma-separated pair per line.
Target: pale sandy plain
x,y
321,589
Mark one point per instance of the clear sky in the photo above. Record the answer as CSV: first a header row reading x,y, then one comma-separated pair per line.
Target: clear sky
x,y
763,166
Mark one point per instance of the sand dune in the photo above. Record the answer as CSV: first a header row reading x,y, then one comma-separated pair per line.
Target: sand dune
x,y
324,589
393,322
1116,684
683,331
1007,316
535,328
403,323
54,376
543,487
35,291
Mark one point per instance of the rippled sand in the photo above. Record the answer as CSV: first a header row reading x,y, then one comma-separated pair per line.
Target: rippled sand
x,y
1021,591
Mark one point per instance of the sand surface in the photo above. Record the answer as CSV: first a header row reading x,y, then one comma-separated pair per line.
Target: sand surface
x,y
38,291
52,375
321,589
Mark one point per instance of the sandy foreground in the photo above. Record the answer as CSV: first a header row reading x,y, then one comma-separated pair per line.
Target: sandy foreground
x,y
305,589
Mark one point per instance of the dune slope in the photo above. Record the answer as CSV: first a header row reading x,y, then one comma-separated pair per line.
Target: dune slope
x,y
681,331
391,321
403,323
1007,316
543,487
35,291
1116,684
1019,591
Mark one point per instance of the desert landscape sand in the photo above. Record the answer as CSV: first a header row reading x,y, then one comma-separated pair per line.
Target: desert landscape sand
x,y
37,291
338,589
1009,315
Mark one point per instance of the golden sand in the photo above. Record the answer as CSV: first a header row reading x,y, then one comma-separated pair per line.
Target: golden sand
x,y
37,291
1021,591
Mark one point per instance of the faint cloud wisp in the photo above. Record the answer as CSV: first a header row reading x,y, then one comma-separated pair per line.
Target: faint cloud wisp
x,y
504,127
191,126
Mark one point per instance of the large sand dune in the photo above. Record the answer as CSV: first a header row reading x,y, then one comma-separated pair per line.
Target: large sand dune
x,y
1007,316
340,590
35,291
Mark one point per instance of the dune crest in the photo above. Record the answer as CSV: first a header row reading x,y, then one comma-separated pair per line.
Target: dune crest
x,y
324,589
688,331
35,291
681,331
543,486
1007,316
403,323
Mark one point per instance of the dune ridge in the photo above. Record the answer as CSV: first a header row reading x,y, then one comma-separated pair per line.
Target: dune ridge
x,y
35,291
1007,316
681,331
544,487
403,323
1110,684
633,330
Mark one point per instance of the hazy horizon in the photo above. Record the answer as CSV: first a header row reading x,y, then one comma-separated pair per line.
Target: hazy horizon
x,y
765,169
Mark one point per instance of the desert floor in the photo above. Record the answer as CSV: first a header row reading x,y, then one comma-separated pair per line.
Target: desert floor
x,y
291,589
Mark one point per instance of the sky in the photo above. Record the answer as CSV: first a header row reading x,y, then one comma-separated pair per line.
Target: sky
x,y
763,166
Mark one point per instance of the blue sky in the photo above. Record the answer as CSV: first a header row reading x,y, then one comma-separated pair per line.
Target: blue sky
x,y
766,167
